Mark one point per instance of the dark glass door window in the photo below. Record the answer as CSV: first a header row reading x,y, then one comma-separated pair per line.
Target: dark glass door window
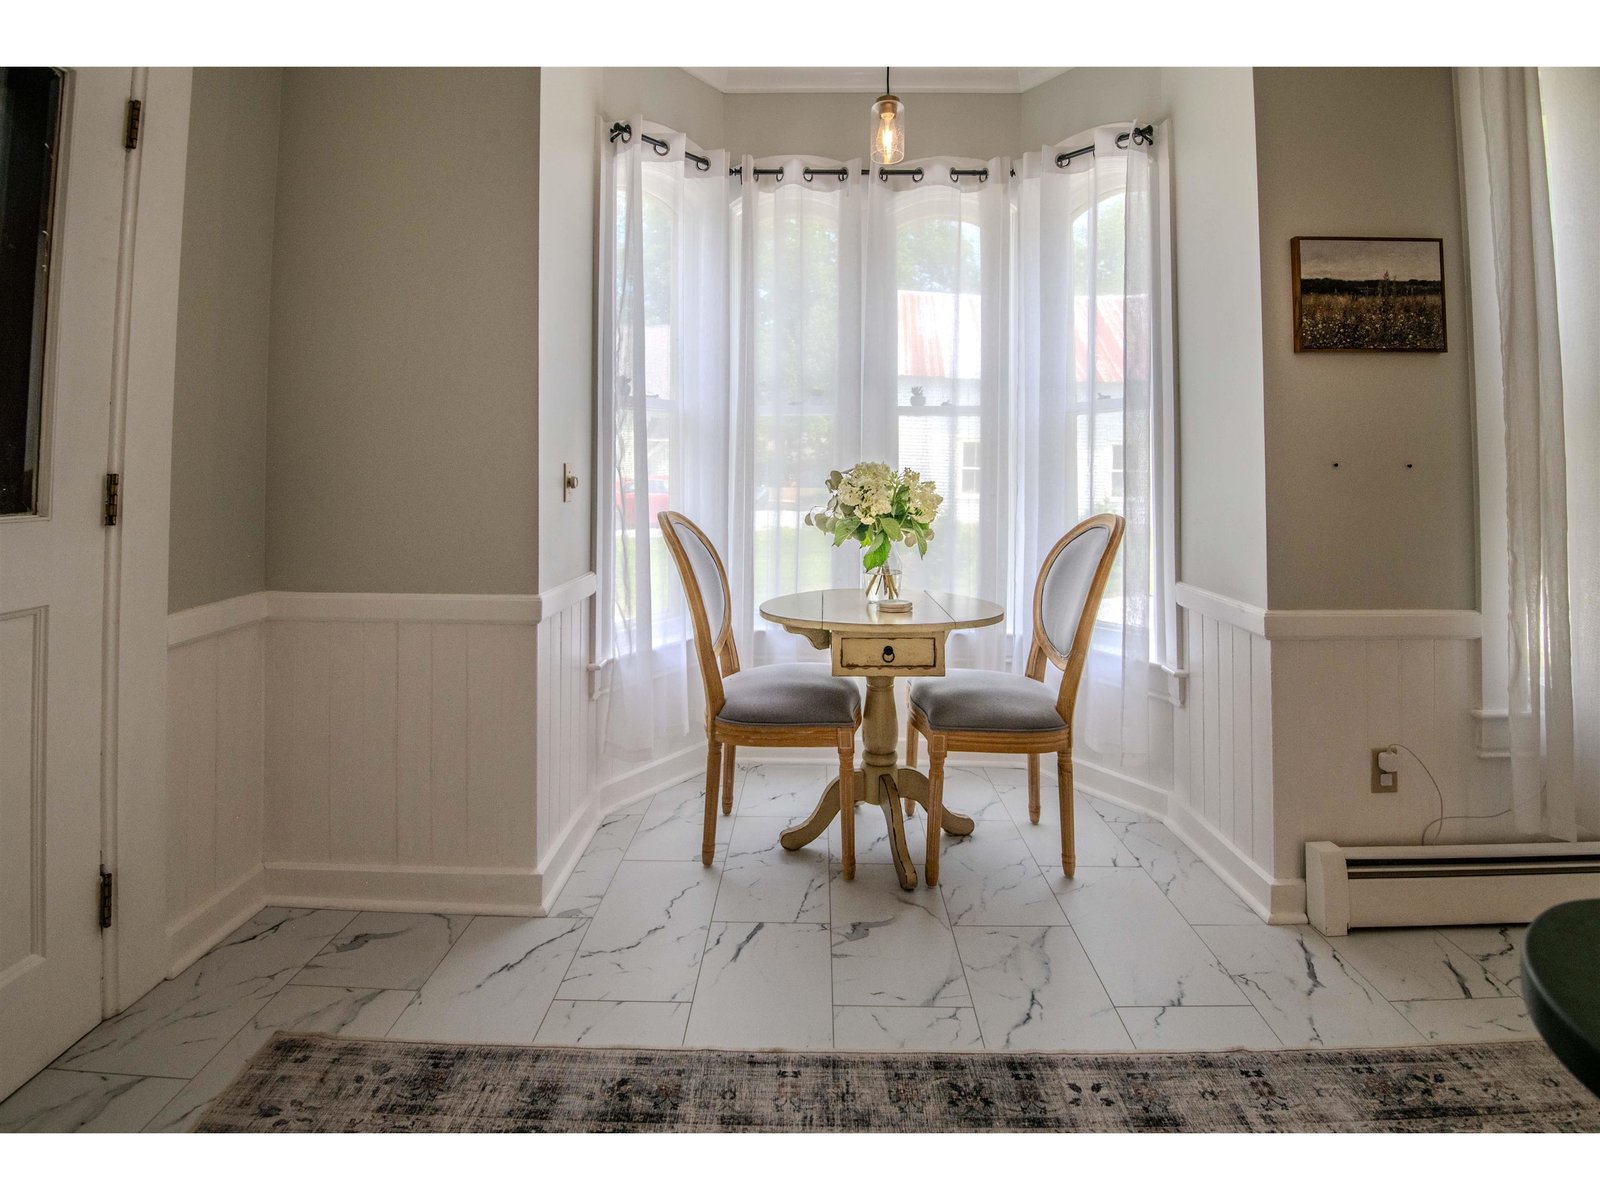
x,y
30,115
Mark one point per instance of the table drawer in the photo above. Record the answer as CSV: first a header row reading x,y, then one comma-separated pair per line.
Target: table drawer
x,y
888,653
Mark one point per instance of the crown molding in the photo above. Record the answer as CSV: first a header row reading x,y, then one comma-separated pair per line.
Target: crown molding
x,y
906,80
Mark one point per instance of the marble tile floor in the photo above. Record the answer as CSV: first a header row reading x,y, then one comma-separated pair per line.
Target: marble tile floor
x,y
1145,949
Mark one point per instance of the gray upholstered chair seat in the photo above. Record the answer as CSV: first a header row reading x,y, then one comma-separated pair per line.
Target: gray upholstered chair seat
x,y
987,700
789,694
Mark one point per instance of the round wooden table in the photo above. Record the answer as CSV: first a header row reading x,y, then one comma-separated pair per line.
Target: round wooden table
x,y
879,646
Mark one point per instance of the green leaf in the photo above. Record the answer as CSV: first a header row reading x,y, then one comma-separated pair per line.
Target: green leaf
x,y
878,554
891,527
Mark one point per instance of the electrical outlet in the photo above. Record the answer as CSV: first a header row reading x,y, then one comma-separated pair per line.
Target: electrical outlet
x,y
1383,781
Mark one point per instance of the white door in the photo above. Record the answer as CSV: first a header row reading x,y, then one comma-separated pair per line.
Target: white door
x,y
56,382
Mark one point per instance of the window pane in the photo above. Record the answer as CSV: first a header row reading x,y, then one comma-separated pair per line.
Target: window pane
x,y
795,271
30,105
939,262
1098,306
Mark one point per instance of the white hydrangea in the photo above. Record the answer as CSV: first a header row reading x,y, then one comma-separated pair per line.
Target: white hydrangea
x,y
871,501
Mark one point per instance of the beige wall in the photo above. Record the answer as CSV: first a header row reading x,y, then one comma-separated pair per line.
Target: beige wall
x,y
403,381
219,444
1222,490
569,129
1084,97
835,125
1371,534
664,95
1222,485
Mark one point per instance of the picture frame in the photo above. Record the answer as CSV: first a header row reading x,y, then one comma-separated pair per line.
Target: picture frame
x,y
1369,294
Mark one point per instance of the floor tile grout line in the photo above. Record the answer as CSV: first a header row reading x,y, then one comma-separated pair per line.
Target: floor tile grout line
x,y
966,978
228,1041
116,1074
253,1014
833,1008
589,921
705,945
1300,931
581,927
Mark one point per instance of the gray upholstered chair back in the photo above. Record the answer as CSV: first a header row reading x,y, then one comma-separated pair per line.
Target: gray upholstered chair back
x,y
706,565
706,585
1071,582
1066,585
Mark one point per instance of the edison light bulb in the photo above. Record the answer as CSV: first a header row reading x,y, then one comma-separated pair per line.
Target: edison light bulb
x,y
889,131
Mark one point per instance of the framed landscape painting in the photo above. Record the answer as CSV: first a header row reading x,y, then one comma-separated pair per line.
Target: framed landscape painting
x,y
1353,293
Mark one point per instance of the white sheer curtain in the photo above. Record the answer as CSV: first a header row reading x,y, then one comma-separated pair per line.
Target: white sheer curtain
x,y
1540,701
663,423
872,324
797,382
1087,399
936,367
992,329
1570,99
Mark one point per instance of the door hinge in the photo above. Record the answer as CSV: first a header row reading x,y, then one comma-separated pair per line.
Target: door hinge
x,y
130,131
113,497
105,897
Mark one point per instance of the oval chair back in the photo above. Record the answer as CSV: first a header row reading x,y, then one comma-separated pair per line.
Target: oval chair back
x,y
1066,600
705,586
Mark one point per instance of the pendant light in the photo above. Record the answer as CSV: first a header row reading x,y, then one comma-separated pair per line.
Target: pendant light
x,y
888,127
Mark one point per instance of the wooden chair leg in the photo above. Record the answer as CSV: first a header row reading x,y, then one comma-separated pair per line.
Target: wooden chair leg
x,y
727,780
1033,788
708,842
847,807
911,760
930,862
1069,844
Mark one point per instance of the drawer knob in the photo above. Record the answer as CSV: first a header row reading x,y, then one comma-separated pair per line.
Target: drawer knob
x,y
888,654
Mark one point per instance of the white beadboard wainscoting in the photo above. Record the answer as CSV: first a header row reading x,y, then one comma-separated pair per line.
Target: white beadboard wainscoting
x,y
568,807
216,739
1341,689
1223,798
1284,708
438,753
416,753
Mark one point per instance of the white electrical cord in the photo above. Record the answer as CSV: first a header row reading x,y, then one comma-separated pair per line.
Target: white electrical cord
x,y
1438,791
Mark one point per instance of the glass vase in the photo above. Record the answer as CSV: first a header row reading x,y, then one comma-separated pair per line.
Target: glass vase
x,y
884,587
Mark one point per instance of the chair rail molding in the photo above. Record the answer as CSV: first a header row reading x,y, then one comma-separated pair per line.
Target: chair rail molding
x,y
1238,613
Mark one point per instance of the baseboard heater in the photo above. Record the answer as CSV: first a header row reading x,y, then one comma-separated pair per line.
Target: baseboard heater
x,y
1355,887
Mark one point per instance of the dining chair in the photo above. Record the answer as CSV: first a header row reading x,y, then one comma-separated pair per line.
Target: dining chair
x,y
997,712
785,704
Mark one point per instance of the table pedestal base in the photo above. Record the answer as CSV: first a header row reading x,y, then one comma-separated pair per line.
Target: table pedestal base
x,y
881,781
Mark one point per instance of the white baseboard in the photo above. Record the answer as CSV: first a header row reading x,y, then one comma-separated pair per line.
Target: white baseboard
x,y
198,930
653,776
491,891
562,860
1097,780
1276,901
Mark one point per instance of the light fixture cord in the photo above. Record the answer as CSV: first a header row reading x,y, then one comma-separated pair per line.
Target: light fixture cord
x,y
886,81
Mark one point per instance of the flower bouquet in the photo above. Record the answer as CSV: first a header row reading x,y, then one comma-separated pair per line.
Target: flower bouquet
x,y
880,509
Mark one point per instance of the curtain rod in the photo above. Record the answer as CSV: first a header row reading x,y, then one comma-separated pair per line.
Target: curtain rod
x,y
1142,135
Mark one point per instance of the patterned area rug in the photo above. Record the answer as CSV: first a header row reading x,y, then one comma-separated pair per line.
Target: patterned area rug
x,y
314,1083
